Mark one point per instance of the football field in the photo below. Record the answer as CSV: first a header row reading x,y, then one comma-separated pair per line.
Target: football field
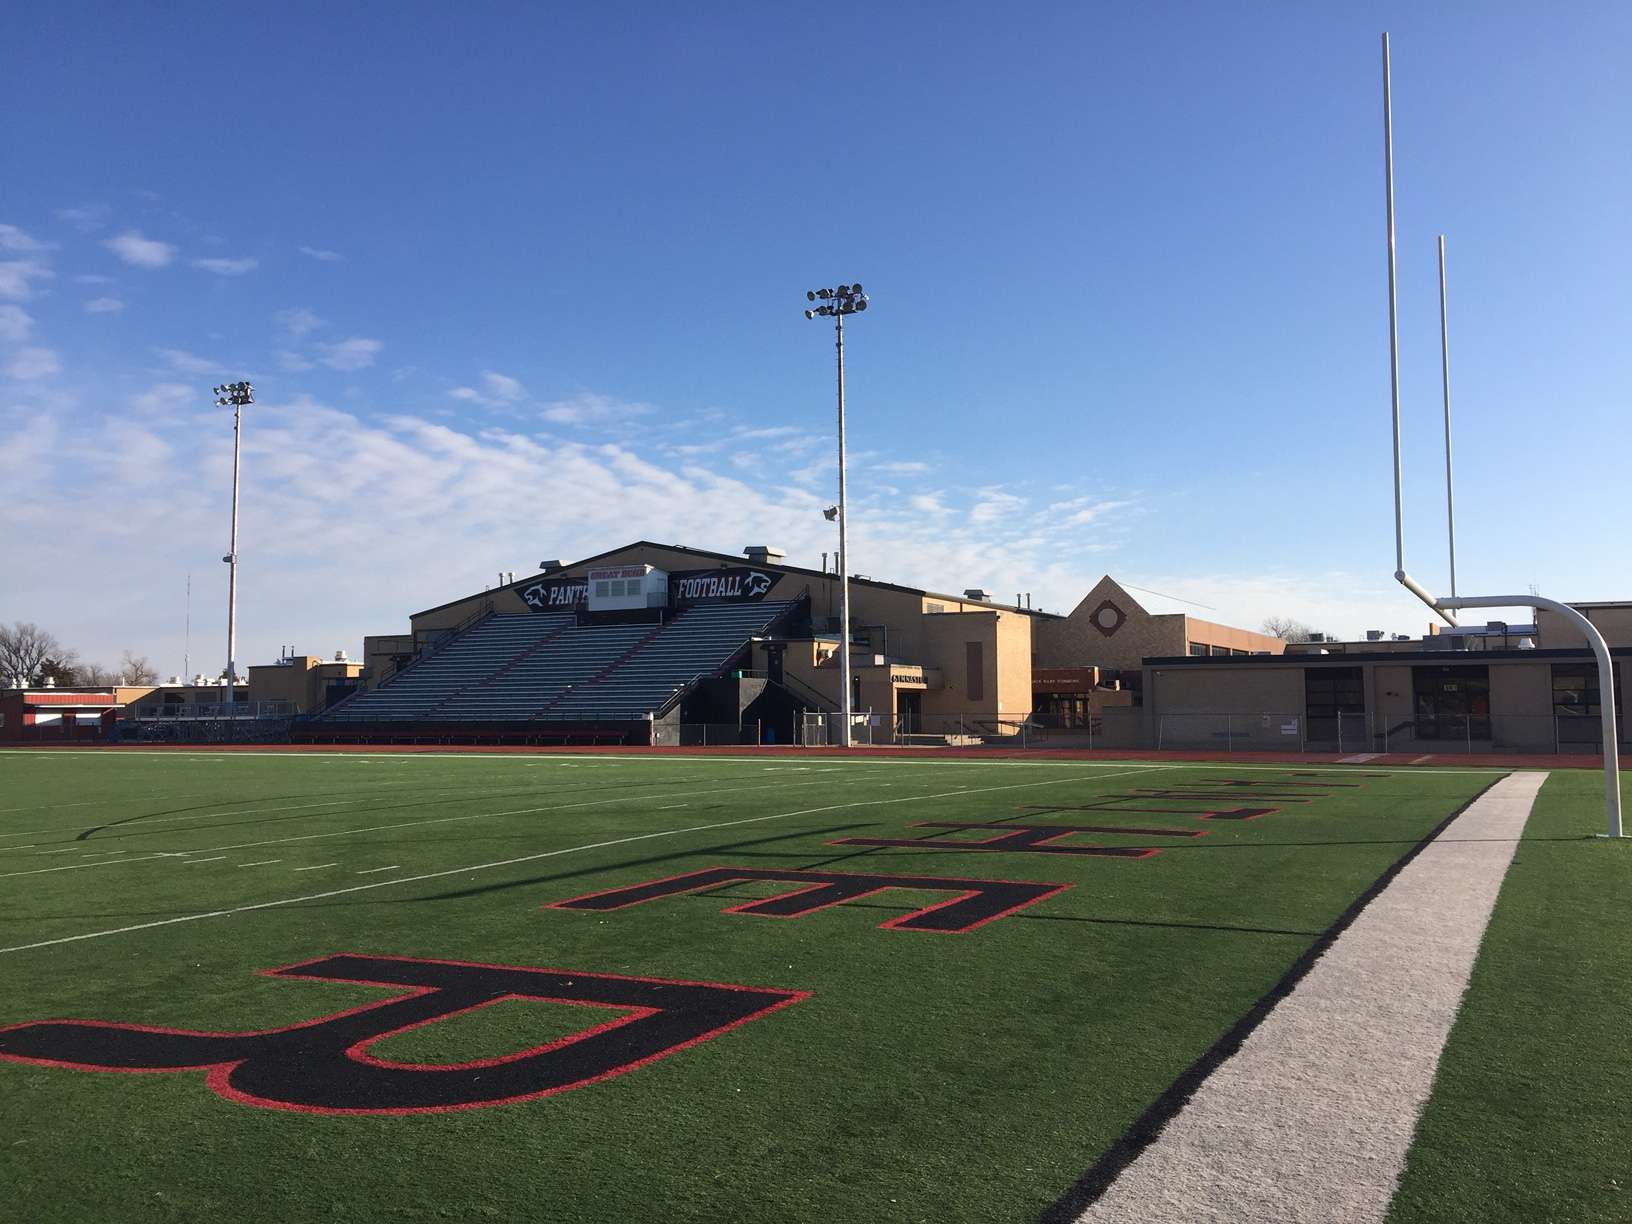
x,y
586,987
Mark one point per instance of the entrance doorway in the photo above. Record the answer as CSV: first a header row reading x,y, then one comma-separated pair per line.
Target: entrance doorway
x,y
1452,702
909,711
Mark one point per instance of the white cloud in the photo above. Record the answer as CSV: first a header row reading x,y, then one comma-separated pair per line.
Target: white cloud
x,y
298,321
292,363
995,504
164,399
86,217
31,363
228,267
104,305
901,468
15,324
14,239
496,391
141,252
356,353
589,408
17,277
321,255
93,280
184,362
928,503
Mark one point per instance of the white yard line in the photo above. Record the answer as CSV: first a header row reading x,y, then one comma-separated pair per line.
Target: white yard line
x,y
317,867
1312,1118
401,824
216,859
373,870
261,863
530,858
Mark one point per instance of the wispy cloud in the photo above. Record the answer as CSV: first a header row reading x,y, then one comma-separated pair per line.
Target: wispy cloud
x,y
298,321
15,324
497,390
228,267
184,362
901,467
995,504
17,277
292,363
588,408
321,255
15,240
356,353
86,218
140,252
30,363
104,305
92,279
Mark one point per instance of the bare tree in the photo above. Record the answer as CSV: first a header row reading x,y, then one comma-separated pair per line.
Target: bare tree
x,y
135,669
1287,629
25,649
95,673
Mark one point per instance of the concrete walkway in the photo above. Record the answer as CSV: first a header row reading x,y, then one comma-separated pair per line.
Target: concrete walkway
x,y
1312,1118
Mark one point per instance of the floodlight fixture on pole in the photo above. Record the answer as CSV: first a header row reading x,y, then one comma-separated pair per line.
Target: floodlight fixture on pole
x,y
836,304
235,396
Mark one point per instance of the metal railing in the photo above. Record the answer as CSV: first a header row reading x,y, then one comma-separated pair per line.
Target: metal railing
x,y
214,710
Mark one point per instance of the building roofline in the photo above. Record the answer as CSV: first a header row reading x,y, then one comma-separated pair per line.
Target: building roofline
x,y
1378,656
734,559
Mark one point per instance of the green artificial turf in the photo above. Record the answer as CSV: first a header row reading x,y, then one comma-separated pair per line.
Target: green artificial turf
x,y
926,1077
1528,1122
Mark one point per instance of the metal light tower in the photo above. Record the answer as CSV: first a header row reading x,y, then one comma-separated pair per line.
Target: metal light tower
x,y
233,395
836,303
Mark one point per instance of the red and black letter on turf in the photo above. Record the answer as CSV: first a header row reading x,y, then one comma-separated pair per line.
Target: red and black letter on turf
x,y
979,902
323,1065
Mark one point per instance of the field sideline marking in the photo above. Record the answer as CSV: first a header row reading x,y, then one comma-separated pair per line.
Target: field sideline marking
x,y
1312,1116
529,858
401,824
667,757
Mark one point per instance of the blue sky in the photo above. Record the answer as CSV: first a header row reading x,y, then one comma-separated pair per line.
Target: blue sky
x,y
517,282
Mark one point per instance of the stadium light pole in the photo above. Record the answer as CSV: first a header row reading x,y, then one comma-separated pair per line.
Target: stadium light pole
x,y
835,304
236,396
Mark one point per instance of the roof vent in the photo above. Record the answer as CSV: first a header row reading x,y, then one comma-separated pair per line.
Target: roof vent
x,y
549,567
764,554
977,593
1374,635
340,656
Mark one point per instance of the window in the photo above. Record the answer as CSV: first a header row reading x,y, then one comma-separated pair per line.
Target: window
x,y
933,608
1197,649
601,586
1332,695
974,661
1578,702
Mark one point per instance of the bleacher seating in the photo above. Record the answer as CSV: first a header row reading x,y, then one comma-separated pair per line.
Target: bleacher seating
x,y
547,666
565,660
697,642
478,653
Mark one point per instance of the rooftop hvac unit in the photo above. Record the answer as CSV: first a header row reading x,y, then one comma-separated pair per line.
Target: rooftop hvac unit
x,y
549,567
977,593
1374,635
1402,637
764,554
340,656
1317,637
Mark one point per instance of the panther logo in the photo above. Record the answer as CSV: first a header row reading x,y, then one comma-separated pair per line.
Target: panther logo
x,y
758,584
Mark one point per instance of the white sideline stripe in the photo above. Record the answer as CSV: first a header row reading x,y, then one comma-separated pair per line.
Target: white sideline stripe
x,y
1312,1118
896,762
1359,758
216,859
372,870
260,863
316,866
530,858
1426,757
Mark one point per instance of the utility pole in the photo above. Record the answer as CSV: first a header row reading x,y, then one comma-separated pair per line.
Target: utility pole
x,y
236,396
